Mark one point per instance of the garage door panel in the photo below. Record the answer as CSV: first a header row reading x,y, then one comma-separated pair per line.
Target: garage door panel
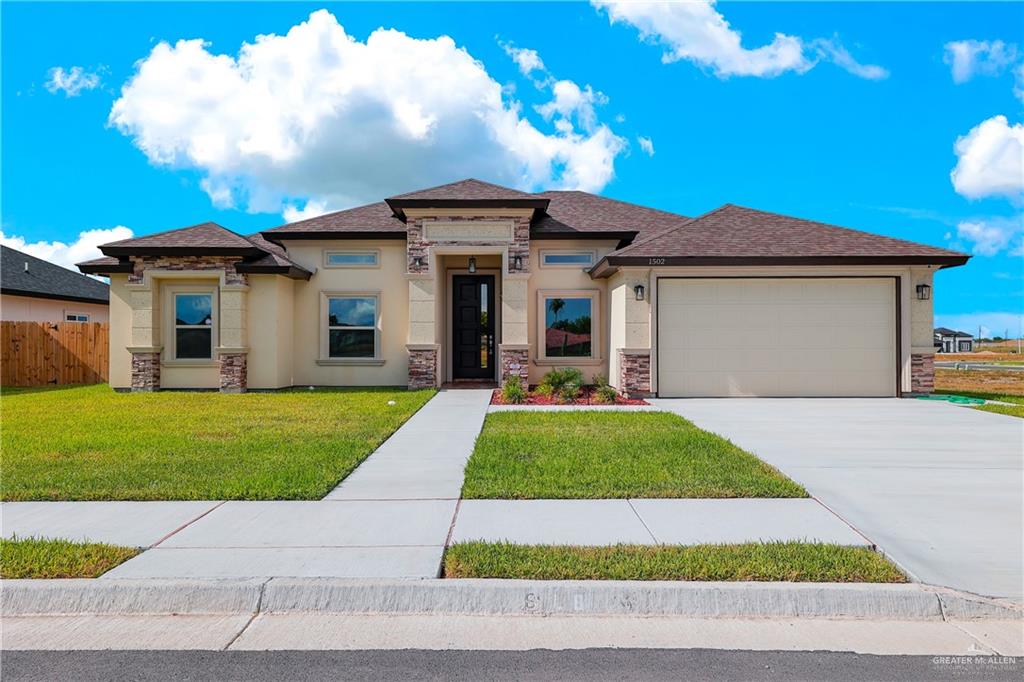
x,y
776,337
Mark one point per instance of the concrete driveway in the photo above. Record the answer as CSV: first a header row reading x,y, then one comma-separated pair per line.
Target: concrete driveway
x,y
939,488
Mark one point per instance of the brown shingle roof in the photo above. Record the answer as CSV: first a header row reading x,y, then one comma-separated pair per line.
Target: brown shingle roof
x,y
735,233
372,220
208,238
470,189
575,211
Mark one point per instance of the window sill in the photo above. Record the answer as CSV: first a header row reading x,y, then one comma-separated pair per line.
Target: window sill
x,y
190,363
567,362
343,362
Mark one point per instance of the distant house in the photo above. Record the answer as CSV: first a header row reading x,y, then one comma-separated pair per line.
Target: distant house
x,y
952,341
33,290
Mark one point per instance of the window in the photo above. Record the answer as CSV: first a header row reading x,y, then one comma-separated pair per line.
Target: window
x,y
568,324
351,259
193,326
76,317
352,326
567,259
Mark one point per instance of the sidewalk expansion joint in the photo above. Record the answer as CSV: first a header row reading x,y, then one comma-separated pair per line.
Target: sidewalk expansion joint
x,y
643,523
255,614
187,524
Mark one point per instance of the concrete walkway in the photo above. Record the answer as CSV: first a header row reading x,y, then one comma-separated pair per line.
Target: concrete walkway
x,y
939,487
651,521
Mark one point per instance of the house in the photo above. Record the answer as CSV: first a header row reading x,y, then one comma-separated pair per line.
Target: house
x,y
33,290
952,341
471,280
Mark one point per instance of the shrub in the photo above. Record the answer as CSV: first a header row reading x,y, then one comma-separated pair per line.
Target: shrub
x,y
568,393
605,394
512,391
600,380
557,379
545,390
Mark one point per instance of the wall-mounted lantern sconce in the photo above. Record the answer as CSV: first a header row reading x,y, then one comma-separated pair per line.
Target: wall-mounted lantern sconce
x,y
639,291
519,262
472,265
924,292
418,261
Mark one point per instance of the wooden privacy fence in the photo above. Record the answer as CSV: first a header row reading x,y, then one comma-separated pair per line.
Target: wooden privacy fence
x,y
54,353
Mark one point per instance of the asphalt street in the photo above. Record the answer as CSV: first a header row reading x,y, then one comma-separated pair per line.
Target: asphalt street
x,y
587,664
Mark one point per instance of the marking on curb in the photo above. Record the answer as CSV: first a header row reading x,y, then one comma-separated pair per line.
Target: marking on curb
x,y
255,614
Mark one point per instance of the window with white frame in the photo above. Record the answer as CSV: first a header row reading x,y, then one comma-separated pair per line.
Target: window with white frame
x,y
76,317
368,258
567,259
351,326
568,325
193,326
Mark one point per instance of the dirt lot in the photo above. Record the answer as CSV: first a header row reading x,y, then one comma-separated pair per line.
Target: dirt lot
x,y
984,356
980,380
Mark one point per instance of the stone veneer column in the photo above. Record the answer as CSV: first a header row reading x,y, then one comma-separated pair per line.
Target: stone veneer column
x,y
145,372
145,311
422,366
233,372
922,373
233,349
514,349
635,372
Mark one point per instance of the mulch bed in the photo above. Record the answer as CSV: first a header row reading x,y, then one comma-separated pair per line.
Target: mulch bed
x,y
586,397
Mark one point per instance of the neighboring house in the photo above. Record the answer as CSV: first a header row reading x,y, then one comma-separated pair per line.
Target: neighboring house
x,y
475,281
33,290
952,341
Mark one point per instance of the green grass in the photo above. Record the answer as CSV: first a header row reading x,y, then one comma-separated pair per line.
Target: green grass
x,y
785,561
1016,409
593,455
38,558
91,443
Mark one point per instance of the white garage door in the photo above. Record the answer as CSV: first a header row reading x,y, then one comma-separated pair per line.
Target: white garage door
x,y
776,337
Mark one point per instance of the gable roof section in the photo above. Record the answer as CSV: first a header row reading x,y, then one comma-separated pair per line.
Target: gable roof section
x,y
572,211
466,193
735,235
43,279
372,221
946,331
202,239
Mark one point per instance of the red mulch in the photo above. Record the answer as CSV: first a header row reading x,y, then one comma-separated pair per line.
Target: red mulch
x,y
585,398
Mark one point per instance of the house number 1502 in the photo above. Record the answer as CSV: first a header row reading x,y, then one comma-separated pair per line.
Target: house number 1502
x,y
655,261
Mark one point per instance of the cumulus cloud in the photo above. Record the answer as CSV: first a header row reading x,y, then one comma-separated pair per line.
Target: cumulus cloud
x,y
86,247
990,236
315,114
697,32
990,160
311,209
526,59
970,58
70,81
570,101
646,145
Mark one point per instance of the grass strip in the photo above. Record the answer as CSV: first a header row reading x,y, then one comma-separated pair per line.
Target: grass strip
x,y
45,558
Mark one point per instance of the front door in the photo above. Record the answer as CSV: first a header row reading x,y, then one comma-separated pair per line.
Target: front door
x,y
473,327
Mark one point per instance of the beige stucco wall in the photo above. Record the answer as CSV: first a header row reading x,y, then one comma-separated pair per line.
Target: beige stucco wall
x,y
388,280
922,323
271,331
120,333
562,279
31,309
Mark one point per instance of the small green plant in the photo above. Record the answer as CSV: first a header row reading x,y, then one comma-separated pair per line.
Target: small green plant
x,y
568,393
557,379
600,380
605,394
545,390
512,391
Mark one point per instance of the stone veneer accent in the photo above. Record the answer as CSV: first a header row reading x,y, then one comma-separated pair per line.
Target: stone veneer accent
x,y
145,371
226,263
515,362
922,373
234,374
422,368
418,246
634,373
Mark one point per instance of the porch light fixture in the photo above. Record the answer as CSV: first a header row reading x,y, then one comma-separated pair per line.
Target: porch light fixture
x,y
472,265
924,292
639,291
519,262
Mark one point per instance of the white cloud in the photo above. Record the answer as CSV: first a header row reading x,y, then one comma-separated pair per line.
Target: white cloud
x,y
970,58
990,236
86,247
316,114
571,101
990,160
526,59
71,81
646,145
1000,322
312,209
697,32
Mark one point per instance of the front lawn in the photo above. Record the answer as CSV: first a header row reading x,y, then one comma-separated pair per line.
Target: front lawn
x,y
1004,386
39,558
91,443
594,455
785,561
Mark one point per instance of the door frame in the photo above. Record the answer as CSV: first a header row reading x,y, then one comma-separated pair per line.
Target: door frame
x,y
449,303
656,335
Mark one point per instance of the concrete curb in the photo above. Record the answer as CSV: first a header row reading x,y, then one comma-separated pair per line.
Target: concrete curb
x,y
500,597
574,408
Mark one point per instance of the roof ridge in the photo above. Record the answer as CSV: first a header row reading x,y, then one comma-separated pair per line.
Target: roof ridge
x,y
669,229
176,229
323,215
614,200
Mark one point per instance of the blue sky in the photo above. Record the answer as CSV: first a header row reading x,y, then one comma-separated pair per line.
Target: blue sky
x,y
850,113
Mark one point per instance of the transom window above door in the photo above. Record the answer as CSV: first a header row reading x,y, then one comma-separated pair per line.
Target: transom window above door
x,y
352,259
193,326
567,259
352,326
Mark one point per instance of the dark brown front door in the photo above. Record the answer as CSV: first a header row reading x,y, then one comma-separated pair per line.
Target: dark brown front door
x,y
473,327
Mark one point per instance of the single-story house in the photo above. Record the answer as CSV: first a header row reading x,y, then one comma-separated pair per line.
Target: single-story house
x,y
34,290
471,281
952,341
